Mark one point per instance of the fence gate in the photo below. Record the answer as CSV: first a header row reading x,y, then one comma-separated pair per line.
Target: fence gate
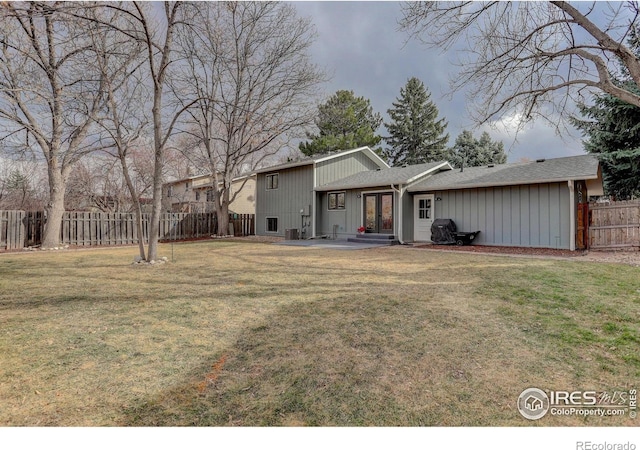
x,y
615,226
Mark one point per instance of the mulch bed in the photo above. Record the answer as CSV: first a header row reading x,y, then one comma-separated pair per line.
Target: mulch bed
x,y
525,251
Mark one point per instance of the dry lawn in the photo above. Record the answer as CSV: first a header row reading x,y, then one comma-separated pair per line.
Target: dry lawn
x,y
248,334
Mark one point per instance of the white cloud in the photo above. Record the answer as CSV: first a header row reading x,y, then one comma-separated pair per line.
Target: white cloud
x,y
532,140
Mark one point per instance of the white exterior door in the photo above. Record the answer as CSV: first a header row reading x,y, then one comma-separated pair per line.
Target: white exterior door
x,y
422,217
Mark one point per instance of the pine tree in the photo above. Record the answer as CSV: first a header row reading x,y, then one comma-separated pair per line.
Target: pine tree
x,y
344,122
415,136
471,152
612,129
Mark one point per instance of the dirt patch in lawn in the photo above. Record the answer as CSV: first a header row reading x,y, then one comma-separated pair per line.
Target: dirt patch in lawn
x,y
524,251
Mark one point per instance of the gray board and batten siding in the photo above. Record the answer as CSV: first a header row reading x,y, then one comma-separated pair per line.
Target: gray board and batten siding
x,y
347,221
293,194
525,204
536,215
344,220
342,166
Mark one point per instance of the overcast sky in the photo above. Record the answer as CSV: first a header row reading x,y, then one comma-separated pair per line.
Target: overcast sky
x,y
359,45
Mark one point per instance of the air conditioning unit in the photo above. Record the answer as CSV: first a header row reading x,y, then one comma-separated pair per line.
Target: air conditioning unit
x,y
291,234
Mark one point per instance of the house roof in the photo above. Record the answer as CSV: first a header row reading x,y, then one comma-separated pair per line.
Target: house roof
x,y
385,177
324,157
189,178
205,178
583,167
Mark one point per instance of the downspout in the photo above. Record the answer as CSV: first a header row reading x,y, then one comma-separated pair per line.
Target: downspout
x,y
313,203
399,191
572,215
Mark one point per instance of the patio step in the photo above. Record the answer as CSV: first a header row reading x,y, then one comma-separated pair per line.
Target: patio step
x,y
373,238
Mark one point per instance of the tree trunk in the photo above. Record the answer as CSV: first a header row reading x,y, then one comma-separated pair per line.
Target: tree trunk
x,y
54,212
138,213
154,227
223,219
221,204
136,203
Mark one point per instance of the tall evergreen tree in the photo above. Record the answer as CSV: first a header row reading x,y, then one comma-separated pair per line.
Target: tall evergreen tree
x,y
612,128
471,152
344,122
415,134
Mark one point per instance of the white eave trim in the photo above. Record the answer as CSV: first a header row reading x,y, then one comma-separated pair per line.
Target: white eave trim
x,y
242,177
427,172
366,150
489,185
283,166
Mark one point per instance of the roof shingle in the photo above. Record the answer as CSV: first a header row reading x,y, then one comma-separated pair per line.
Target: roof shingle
x,y
583,167
383,177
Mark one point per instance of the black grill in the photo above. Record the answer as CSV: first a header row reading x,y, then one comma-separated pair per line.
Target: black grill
x,y
444,231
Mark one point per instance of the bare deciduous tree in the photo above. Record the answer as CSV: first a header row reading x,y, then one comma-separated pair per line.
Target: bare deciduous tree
x,y
534,59
48,95
248,66
120,61
154,26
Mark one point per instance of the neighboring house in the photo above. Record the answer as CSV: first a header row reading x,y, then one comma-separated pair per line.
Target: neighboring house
x,y
194,194
108,203
532,204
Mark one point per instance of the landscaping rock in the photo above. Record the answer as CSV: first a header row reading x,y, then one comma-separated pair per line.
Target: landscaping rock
x,y
154,262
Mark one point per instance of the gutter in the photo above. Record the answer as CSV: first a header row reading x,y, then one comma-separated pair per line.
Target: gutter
x,y
313,203
500,184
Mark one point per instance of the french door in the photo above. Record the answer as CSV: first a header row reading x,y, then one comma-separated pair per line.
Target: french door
x,y
378,212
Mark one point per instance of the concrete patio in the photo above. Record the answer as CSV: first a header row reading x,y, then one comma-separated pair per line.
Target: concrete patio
x,y
337,244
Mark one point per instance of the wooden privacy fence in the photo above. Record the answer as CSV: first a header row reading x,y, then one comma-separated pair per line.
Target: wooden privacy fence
x,y
12,230
20,229
615,225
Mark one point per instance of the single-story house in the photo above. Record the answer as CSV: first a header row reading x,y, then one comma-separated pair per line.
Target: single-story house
x,y
526,204
194,194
